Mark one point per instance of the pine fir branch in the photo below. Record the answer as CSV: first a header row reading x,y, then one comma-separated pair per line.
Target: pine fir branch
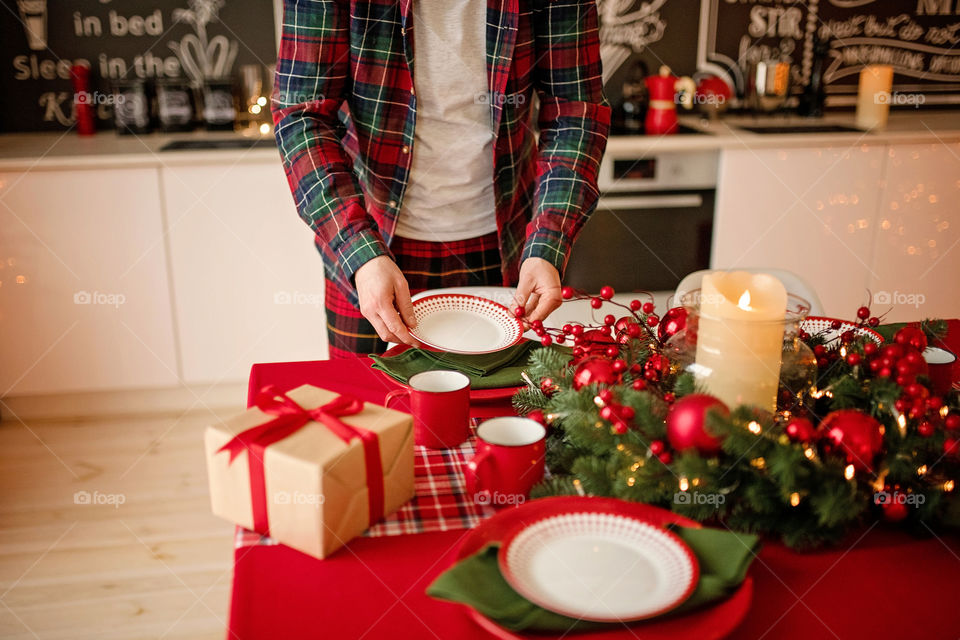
x,y
554,485
528,399
685,385
596,475
548,362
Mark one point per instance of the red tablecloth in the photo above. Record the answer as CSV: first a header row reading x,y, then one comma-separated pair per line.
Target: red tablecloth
x,y
881,583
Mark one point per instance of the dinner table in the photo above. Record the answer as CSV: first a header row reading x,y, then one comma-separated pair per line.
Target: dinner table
x,y
879,582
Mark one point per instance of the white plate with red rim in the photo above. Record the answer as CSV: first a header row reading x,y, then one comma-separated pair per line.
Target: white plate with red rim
x,y
605,567
461,323
816,324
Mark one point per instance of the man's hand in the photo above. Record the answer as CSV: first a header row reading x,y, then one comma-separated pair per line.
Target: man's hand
x,y
383,293
538,290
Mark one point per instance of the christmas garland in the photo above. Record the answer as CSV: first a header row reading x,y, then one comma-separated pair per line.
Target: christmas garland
x,y
869,440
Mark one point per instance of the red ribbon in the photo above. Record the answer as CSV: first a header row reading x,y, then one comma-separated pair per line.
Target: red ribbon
x,y
290,418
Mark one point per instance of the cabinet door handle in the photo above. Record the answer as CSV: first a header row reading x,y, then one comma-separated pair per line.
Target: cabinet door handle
x,y
651,202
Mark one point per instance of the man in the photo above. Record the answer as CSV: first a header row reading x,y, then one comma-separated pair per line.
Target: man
x,y
423,171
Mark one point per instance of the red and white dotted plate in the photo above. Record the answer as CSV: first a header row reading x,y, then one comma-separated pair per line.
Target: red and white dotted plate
x,y
817,324
606,567
461,323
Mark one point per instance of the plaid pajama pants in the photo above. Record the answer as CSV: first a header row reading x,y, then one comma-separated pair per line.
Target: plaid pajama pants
x,y
426,265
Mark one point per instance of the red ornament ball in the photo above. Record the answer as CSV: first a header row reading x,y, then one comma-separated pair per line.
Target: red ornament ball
x,y
857,435
566,292
626,328
648,307
537,415
656,447
952,422
596,303
639,385
686,423
606,292
673,321
596,342
800,429
894,511
925,429
951,447
547,386
863,313
594,371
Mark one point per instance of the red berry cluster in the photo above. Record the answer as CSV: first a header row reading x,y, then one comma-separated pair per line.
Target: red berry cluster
x,y
616,414
601,339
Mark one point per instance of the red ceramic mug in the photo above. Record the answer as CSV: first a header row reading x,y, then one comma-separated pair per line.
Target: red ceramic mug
x,y
509,461
440,404
940,364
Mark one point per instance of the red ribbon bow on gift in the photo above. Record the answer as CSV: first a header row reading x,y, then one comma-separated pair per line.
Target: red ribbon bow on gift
x,y
290,418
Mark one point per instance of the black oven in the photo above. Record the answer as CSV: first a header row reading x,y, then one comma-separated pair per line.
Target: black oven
x,y
653,223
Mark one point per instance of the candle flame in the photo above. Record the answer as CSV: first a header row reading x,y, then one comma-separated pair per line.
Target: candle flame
x,y
745,301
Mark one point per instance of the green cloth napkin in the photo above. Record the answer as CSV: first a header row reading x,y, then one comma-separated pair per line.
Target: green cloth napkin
x,y
485,370
476,581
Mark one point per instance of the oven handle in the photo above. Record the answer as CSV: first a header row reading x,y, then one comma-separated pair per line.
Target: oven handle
x,y
651,202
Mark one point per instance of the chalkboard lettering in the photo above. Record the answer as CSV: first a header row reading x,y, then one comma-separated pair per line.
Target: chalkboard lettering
x,y
148,40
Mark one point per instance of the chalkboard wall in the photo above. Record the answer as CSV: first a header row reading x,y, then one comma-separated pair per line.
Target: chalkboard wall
x,y
159,38
919,38
148,39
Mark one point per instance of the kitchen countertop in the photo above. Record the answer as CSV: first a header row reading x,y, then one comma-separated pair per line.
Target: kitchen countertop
x,y
25,151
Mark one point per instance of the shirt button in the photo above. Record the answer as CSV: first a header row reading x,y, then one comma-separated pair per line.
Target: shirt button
x,y
405,149
393,204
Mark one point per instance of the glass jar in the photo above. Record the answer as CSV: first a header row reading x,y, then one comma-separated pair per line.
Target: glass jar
x,y
219,108
131,110
743,373
174,105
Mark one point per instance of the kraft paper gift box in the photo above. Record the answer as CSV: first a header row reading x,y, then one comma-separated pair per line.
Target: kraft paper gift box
x,y
313,489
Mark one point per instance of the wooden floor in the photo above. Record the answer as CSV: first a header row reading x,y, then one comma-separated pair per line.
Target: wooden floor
x,y
156,566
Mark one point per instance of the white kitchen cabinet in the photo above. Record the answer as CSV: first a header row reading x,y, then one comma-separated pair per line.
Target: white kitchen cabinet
x,y
84,299
916,257
812,211
247,280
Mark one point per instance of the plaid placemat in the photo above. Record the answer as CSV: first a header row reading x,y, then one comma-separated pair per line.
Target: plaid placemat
x,y
439,503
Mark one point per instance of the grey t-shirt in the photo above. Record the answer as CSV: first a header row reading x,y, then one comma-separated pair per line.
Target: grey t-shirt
x,y
449,195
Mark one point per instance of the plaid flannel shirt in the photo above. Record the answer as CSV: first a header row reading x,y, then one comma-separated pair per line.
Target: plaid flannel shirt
x,y
344,109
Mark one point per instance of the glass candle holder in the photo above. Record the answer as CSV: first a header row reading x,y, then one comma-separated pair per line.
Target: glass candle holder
x,y
744,368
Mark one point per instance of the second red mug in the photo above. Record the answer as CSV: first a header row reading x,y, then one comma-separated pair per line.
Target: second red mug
x,y
509,461
440,405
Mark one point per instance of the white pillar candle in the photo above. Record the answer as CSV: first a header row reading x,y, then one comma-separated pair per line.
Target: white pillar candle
x,y
873,96
740,337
